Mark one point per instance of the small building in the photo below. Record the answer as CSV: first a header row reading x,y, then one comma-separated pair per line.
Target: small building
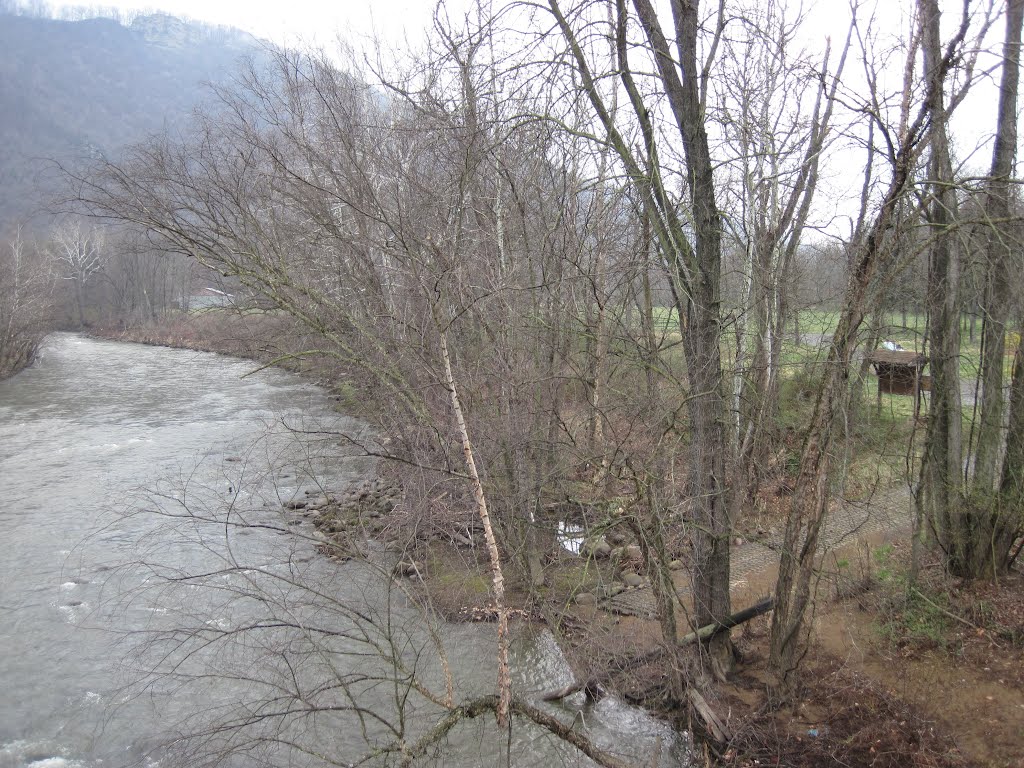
x,y
900,372
208,298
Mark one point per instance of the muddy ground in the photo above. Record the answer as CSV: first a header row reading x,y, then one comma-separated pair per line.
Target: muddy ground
x,y
888,681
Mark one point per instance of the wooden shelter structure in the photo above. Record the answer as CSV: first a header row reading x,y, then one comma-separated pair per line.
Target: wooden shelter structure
x,y
900,373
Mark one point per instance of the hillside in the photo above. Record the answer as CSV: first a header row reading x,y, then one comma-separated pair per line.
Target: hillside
x,y
71,89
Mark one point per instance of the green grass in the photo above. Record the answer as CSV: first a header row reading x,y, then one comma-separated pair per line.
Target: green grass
x,y
883,430
813,324
450,577
572,579
907,616
910,332
917,622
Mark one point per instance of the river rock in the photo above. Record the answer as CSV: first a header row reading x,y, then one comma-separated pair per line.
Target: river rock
x,y
632,579
616,538
586,598
295,504
407,568
596,547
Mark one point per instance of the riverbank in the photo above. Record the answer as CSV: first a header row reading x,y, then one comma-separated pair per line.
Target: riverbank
x,y
888,681
256,336
864,693
867,695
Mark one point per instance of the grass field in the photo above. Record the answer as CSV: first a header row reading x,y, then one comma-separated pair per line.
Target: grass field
x,y
885,436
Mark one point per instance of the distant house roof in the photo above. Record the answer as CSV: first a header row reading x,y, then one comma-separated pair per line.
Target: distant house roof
x,y
207,297
898,357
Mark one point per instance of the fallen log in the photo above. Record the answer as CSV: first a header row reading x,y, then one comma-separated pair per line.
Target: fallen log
x,y
594,686
591,687
707,632
714,725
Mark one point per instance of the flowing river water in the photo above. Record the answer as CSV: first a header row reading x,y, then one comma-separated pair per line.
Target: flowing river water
x,y
151,590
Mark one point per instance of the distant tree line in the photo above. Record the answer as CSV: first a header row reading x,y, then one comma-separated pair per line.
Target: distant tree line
x,y
40,9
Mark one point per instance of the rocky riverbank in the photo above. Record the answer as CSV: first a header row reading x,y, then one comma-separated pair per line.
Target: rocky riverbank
x,y
598,604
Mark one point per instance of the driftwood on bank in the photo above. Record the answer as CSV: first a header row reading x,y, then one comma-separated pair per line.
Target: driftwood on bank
x,y
593,687
719,732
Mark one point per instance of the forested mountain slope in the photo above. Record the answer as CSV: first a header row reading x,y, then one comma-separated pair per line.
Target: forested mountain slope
x,y
71,89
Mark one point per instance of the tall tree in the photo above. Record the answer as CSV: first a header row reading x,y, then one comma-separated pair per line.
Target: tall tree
x,y
941,476
811,496
777,149
996,301
26,301
693,267
81,253
980,539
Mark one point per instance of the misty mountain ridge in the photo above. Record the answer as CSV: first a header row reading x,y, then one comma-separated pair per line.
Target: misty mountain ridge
x,y
74,89
168,31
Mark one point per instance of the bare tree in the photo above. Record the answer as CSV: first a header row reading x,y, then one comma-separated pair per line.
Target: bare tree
x,y
692,268
941,466
26,301
812,493
973,521
81,253
777,149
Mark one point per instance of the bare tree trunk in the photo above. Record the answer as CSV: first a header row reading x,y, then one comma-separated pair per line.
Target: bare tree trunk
x,y
940,491
1007,520
811,495
1000,518
995,306
702,331
497,577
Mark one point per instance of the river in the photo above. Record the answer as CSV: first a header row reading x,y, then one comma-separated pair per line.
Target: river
x,y
152,593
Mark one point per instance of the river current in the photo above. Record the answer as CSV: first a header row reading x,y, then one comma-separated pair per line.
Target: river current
x,y
152,592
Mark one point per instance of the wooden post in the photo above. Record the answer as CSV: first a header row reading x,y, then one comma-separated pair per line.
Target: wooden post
x,y
916,392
